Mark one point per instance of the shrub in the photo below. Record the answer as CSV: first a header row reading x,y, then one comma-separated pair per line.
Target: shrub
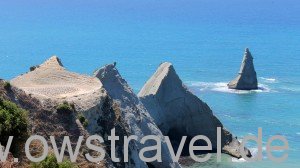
x,y
51,162
64,107
83,120
85,123
13,122
7,85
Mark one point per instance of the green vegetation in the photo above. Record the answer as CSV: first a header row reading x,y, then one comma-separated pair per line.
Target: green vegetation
x,y
85,123
51,162
13,122
7,85
83,120
65,107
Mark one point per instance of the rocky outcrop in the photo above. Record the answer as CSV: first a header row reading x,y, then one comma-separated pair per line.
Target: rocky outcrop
x,y
178,112
44,119
134,117
51,84
246,79
51,80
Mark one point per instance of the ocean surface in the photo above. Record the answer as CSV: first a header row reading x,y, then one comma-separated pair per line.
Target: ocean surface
x,y
204,39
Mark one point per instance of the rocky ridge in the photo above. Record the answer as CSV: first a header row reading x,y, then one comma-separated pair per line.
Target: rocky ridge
x,y
133,113
106,101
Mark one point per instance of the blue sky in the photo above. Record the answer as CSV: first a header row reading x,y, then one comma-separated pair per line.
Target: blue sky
x,y
168,11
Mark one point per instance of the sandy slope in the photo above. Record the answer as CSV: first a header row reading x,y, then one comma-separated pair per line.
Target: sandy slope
x,y
52,80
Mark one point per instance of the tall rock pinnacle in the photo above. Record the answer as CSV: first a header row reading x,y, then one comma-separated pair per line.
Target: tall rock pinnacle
x,y
246,79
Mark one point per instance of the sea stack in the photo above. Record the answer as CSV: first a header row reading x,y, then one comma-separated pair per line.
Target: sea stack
x,y
178,112
246,79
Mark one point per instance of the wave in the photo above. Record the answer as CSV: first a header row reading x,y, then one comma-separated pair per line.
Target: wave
x,y
268,80
236,160
222,87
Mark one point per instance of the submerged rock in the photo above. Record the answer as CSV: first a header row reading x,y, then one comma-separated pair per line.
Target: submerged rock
x,y
178,112
134,117
246,79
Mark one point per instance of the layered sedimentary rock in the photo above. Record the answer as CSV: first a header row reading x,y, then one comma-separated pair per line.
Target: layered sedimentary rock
x,y
51,80
108,106
136,118
52,84
43,89
178,112
246,79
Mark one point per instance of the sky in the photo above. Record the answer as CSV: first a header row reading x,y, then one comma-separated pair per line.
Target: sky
x,y
75,12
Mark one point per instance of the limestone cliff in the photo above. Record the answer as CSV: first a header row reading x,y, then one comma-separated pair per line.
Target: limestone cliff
x,y
178,112
246,79
113,105
136,118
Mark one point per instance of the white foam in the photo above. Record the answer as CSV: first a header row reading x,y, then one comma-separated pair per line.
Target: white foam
x,y
222,87
236,160
268,80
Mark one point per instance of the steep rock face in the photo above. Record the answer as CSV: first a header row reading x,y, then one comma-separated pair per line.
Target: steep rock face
x,y
178,112
246,79
135,117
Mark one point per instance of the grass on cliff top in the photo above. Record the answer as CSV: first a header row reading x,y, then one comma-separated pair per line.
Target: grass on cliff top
x,y
7,85
51,162
13,122
65,107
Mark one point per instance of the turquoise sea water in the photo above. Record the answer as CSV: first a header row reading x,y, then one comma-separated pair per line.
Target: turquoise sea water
x,y
204,39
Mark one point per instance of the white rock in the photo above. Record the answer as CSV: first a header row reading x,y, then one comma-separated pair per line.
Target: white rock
x,y
134,114
247,78
178,112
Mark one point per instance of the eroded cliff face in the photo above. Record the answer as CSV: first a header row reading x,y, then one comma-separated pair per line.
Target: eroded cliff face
x,y
135,118
178,112
45,120
106,101
247,78
113,105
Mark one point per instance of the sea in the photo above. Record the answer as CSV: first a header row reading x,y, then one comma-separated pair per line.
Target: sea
x,y
204,40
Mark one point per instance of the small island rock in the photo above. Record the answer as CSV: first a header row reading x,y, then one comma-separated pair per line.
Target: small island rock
x,y
247,78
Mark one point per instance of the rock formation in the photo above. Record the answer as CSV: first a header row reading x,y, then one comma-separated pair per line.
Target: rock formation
x,y
246,79
42,90
178,112
137,119
51,80
106,101
108,106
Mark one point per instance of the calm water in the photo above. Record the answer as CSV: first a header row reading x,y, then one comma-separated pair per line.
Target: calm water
x,y
204,39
